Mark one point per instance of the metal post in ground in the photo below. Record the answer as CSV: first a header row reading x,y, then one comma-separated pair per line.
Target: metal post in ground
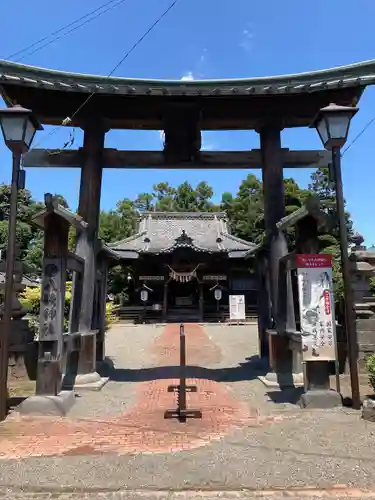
x,y
181,412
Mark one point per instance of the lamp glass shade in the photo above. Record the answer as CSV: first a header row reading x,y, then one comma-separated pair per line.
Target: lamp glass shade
x,y
338,126
13,128
29,133
332,124
322,128
18,127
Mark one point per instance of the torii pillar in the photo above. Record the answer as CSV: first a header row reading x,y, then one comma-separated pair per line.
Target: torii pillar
x,y
274,210
89,210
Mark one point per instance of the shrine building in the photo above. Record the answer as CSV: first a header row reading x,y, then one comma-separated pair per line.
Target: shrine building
x,y
179,260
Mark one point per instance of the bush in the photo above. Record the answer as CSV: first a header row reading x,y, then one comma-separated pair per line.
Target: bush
x,y
30,299
110,315
372,285
370,365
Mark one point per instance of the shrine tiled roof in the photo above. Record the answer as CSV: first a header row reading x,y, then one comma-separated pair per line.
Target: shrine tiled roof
x,y
352,75
164,232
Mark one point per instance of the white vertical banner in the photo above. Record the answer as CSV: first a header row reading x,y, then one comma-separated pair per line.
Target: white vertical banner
x,y
316,305
237,310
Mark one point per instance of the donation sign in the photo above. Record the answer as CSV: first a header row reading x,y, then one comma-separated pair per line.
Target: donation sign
x,y
237,307
316,306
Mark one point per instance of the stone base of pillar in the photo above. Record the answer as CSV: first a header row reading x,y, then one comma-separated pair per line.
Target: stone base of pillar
x,y
284,371
87,352
320,399
82,374
89,382
282,380
105,367
59,405
319,393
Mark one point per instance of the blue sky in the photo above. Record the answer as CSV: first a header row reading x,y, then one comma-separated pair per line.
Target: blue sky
x,y
202,39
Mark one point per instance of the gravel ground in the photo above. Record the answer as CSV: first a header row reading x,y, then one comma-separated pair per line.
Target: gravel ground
x,y
189,495
317,449
340,494
304,449
128,349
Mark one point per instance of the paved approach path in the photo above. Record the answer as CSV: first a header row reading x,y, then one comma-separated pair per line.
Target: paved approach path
x,y
248,438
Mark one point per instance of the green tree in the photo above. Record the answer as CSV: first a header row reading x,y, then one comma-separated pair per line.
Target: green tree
x,y
294,198
164,195
28,237
246,209
323,188
116,225
126,210
203,195
113,227
144,202
185,198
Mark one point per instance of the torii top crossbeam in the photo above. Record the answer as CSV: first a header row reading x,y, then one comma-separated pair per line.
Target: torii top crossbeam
x,y
293,100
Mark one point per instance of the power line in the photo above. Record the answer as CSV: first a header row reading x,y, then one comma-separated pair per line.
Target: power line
x,y
98,11
127,54
367,126
58,31
68,120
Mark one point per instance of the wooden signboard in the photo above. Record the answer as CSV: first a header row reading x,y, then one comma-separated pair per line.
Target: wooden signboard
x,y
316,304
214,277
237,310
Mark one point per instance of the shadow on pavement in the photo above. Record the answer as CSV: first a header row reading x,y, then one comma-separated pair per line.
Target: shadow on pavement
x,y
288,395
248,370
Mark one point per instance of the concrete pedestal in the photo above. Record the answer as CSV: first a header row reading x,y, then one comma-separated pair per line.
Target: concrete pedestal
x,y
58,406
89,382
275,380
284,371
320,398
319,394
87,378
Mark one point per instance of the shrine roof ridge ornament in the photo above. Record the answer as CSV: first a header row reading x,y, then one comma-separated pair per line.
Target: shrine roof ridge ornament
x,y
184,241
351,75
184,215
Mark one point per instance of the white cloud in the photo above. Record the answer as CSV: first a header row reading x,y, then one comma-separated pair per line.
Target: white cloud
x,y
188,77
246,42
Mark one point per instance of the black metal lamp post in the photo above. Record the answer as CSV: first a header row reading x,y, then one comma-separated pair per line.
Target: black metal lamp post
x,y
18,126
332,124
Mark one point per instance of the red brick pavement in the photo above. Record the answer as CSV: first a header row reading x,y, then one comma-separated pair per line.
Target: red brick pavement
x,y
142,428
200,349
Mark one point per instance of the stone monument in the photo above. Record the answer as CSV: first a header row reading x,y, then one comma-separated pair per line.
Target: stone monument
x,y
363,268
21,336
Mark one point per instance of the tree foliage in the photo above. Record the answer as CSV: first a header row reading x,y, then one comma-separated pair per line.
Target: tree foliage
x,y
323,188
245,213
30,300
